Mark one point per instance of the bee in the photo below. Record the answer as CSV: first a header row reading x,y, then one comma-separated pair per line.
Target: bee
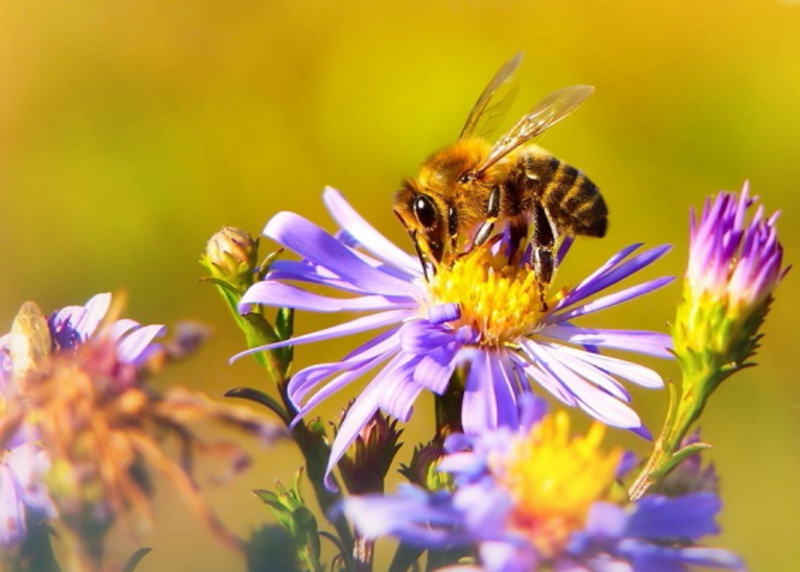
x,y
472,190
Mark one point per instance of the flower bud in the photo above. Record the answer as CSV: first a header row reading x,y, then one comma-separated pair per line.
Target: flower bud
x,y
734,266
422,470
231,257
368,459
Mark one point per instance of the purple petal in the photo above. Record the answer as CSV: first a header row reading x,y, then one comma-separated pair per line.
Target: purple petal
x,y
368,238
362,324
96,309
362,410
605,521
590,373
436,368
353,365
489,400
28,465
689,516
311,242
134,345
279,295
596,402
12,511
649,343
554,386
612,274
118,329
633,372
611,299
400,391
303,271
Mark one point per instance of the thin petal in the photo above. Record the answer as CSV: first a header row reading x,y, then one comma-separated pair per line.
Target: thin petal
x,y
136,343
611,299
362,324
688,516
596,402
612,274
279,295
650,343
368,238
638,374
364,407
96,309
311,242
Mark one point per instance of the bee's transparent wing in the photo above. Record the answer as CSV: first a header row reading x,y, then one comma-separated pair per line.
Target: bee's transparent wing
x,y
484,110
544,115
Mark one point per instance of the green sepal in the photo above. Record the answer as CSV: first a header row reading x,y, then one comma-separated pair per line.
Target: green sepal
x,y
135,558
306,534
289,509
263,268
679,456
284,329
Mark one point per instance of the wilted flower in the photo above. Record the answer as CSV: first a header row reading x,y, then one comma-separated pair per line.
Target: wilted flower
x,y
482,313
539,499
74,382
25,357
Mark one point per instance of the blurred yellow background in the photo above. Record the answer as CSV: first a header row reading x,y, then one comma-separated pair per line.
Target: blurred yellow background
x,y
131,131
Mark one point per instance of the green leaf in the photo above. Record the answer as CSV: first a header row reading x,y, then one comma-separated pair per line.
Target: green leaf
x,y
261,398
404,557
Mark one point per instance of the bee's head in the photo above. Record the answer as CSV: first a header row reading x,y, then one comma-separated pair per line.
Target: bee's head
x,y
426,218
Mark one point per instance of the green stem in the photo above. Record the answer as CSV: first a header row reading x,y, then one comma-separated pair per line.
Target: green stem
x,y
681,415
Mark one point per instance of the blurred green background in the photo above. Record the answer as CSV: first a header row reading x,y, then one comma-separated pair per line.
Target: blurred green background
x,y
131,131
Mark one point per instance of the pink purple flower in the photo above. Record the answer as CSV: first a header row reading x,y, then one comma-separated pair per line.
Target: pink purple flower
x,y
23,463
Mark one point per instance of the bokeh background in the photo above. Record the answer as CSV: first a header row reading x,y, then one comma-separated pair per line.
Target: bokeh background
x,y
131,131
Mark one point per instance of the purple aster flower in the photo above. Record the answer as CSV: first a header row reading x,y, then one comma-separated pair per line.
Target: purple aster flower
x,y
480,311
537,499
732,259
734,266
23,351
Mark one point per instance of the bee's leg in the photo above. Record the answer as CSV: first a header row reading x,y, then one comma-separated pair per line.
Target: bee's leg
x,y
542,245
484,232
492,212
428,269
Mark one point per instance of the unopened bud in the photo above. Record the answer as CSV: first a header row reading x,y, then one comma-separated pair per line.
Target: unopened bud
x,y
368,459
231,256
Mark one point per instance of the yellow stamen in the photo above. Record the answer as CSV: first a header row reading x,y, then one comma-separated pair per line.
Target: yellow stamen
x,y
500,302
553,480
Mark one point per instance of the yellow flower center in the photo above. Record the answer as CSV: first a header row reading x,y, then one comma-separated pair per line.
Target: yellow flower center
x,y
500,302
553,480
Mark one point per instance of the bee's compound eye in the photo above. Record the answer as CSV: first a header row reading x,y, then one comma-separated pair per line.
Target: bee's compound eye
x,y
425,211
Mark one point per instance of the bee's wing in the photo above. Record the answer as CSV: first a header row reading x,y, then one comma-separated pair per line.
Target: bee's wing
x,y
544,114
481,107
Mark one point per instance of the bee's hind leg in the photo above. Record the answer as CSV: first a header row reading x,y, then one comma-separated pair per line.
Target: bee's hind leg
x,y
542,251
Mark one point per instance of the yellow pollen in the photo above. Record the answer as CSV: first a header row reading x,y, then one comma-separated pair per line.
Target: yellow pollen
x,y
553,480
498,301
